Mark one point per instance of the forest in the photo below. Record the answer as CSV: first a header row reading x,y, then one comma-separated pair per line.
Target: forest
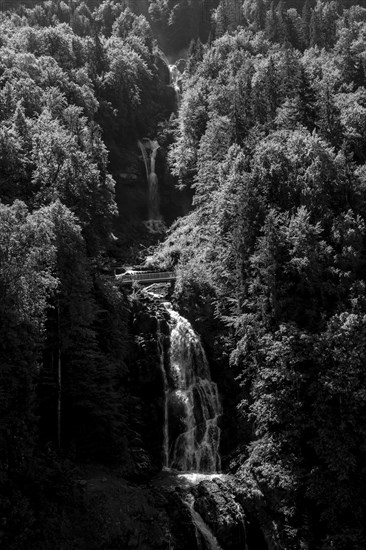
x,y
262,176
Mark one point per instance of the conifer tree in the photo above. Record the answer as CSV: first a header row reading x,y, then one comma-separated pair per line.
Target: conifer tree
x,y
328,120
306,102
283,23
306,18
316,29
271,27
260,15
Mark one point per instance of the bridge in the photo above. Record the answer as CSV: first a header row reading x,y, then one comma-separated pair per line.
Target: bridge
x,y
145,277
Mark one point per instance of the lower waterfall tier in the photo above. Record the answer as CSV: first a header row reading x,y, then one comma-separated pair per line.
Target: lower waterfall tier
x,y
191,431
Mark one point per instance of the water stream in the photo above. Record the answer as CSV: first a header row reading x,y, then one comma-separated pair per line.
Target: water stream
x,y
205,538
144,157
192,405
149,151
154,211
175,82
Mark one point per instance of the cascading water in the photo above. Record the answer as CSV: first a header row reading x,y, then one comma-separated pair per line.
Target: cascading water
x,y
144,157
192,435
154,213
175,77
205,537
155,223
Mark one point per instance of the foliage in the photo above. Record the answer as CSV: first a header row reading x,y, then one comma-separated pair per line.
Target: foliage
x,y
270,140
65,76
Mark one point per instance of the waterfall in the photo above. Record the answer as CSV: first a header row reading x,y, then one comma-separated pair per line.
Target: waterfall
x,y
154,213
175,77
192,403
205,537
154,149
155,223
144,156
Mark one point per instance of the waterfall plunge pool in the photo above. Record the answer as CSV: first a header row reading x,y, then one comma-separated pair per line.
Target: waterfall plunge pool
x,y
170,478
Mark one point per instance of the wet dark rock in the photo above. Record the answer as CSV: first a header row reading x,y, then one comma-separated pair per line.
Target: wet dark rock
x,y
215,501
146,386
146,323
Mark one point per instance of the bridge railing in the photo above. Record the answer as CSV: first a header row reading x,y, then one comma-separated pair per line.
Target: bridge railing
x,y
145,276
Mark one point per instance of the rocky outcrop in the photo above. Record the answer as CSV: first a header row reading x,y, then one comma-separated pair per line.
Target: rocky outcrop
x,y
213,506
104,511
114,513
216,503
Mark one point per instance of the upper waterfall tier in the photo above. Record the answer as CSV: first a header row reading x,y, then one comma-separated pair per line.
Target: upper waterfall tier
x,y
192,435
149,149
176,83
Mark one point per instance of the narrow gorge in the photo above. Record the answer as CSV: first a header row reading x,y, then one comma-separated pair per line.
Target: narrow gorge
x,y
180,436
192,403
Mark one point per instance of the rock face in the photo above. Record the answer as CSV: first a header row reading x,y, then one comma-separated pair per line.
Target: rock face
x,y
146,415
216,503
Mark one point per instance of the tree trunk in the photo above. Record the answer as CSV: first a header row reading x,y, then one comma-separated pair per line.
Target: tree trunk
x,y
59,379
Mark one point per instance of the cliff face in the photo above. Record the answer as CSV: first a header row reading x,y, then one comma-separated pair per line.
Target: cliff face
x,y
132,198
150,332
135,504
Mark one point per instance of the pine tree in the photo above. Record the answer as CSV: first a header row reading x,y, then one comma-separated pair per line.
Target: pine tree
x,y
195,55
271,27
98,62
20,124
316,29
282,21
306,18
306,101
328,120
260,15
272,88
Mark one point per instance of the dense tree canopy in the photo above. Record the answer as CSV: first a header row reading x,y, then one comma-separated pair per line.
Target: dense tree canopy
x,y
69,81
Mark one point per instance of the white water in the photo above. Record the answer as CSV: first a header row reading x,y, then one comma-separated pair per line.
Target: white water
x,y
144,157
192,403
155,222
175,77
202,530
193,478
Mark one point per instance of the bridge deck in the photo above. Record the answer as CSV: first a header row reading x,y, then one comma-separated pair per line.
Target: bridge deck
x,y
144,277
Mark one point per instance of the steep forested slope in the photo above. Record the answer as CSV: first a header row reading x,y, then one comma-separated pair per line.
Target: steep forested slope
x,y
68,81
271,137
